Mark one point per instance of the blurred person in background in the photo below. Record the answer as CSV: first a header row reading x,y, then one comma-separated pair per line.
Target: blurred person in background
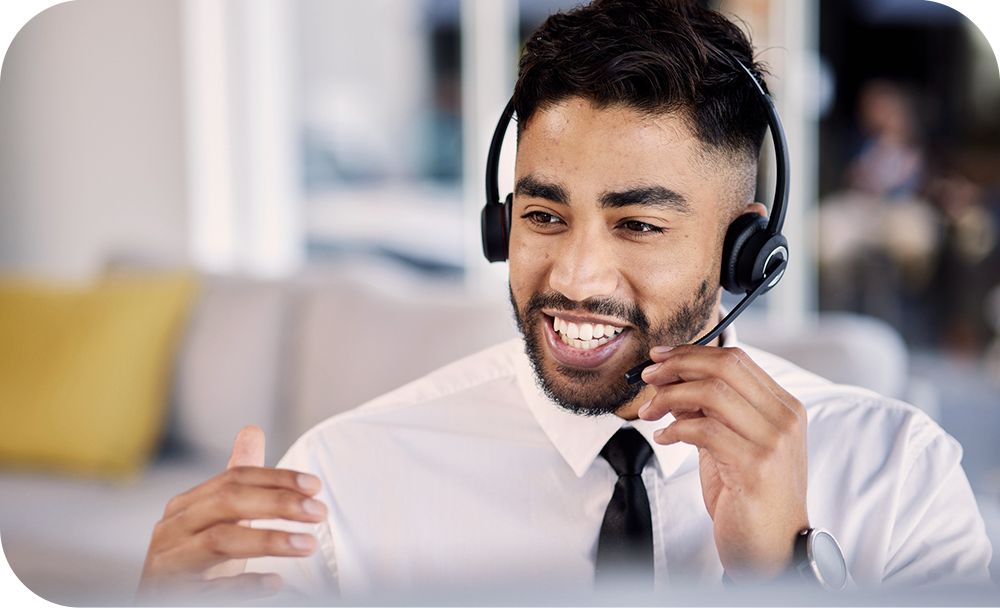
x,y
880,235
890,163
909,237
532,465
966,266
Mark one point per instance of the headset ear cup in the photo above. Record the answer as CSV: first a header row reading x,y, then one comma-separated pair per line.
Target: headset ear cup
x,y
491,225
770,250
740,250
494,223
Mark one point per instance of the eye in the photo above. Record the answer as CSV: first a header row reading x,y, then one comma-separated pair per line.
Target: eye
x,y
641,228
542,219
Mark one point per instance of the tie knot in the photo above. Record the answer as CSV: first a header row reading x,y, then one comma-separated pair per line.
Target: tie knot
x,y
627,452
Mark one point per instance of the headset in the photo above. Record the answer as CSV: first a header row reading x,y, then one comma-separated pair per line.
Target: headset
x,y
754,252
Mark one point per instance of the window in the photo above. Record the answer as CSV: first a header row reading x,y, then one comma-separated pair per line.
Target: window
x,y
381,130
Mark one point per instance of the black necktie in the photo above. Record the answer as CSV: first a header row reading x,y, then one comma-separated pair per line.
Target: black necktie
x,y
625,547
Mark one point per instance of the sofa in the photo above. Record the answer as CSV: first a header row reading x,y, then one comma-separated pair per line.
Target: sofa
x,y
286,354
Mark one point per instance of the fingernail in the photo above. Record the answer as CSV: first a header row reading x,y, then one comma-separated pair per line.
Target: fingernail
x,y
649,370
662,350
645,406
313,507
301,542
271,581
309,483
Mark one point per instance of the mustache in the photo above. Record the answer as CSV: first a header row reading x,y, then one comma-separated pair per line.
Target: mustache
x,y
599,306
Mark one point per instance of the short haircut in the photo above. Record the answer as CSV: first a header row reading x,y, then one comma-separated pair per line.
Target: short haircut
x,y
653,56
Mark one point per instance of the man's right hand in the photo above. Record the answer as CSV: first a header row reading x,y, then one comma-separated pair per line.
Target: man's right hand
x,y
201,544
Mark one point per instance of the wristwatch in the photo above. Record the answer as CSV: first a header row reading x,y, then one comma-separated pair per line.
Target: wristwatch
x,y
818,559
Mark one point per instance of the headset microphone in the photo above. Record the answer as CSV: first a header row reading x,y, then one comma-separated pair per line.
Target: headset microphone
x,y
754,252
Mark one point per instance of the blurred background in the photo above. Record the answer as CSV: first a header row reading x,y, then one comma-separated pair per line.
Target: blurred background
x,y
221,212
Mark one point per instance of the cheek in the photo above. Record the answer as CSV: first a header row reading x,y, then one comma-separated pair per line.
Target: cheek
x,y
527,264
525,275
673,274
669,263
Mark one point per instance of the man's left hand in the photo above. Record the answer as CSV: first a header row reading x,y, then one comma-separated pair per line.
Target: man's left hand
x,y
751,440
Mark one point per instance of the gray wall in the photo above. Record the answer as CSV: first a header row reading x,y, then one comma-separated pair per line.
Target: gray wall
x,y
91,138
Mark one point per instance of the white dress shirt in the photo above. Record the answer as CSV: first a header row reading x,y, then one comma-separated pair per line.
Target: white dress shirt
x,y
472,477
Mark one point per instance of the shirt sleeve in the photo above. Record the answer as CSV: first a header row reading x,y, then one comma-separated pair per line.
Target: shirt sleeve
x,y
938,535
305,578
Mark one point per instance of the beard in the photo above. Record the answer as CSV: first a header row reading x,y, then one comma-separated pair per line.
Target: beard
x,y
587,392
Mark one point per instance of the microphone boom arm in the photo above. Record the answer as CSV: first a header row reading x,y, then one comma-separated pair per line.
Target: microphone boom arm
x,y
635,374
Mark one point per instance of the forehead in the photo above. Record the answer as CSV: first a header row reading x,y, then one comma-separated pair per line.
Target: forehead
x,y
580,144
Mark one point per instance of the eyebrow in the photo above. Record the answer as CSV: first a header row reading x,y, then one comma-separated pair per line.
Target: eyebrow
x,y
652,196
529,185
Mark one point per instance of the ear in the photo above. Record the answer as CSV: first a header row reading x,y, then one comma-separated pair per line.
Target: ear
x,y
755,207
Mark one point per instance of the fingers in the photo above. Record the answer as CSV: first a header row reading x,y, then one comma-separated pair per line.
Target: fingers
x,y
762,376
239,542
306,484
248,448
776,389
710,397
231,541
722,442
735,368
205,531
235,502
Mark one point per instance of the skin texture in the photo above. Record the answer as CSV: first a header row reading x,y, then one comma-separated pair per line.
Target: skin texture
x,y
750,433
199,548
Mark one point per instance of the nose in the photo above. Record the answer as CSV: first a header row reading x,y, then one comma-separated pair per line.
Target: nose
x,y
585,265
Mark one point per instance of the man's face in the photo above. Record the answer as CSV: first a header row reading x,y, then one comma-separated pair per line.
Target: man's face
x,y
615,245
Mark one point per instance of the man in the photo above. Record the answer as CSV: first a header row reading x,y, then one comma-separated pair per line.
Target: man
x,y
637,147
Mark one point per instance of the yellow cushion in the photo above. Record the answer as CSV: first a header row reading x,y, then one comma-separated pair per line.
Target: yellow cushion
x,y
85,371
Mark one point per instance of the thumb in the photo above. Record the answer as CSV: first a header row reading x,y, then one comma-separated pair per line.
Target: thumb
x,y
248,448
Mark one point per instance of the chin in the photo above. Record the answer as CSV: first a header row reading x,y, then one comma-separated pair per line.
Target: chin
x,y
588,380
581,351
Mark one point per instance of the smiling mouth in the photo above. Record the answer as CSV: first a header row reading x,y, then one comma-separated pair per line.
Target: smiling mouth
x,y
594,344
585,336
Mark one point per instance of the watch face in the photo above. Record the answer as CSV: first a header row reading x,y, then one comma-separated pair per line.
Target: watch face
x,y
829,560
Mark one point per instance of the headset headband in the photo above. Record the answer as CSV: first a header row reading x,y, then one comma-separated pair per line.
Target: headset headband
x,y
777,211
493,158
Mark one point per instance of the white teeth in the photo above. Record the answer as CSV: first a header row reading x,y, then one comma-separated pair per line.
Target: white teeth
x,y
583,344
585,335
573,331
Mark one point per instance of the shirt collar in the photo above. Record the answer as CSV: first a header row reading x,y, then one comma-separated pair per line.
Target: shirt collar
x,y
579,439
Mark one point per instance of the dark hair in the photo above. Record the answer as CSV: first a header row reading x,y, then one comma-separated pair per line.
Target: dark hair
x,y
655,56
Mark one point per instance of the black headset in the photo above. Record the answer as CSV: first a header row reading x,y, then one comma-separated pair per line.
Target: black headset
x,y
754,252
